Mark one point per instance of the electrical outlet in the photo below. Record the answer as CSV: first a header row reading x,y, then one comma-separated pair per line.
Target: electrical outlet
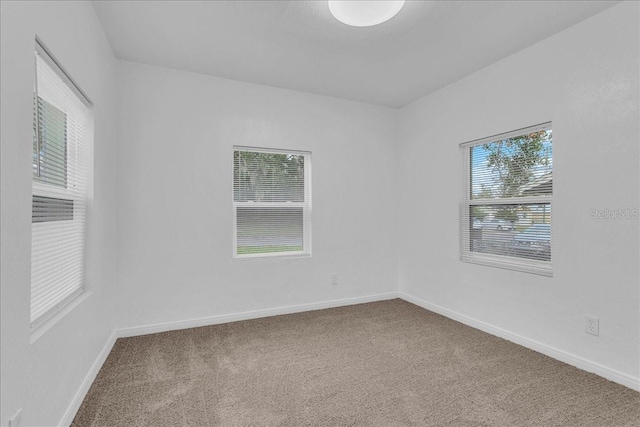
x,y
334,279
592,325
15,420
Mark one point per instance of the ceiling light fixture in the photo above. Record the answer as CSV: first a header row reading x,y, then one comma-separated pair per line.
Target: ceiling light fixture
x,y
364,13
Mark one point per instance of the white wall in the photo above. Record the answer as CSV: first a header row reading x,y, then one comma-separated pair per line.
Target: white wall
x,y
176,133
585,80
43,377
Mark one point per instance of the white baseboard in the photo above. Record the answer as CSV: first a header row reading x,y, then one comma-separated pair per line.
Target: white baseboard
x,y
561,355
247,315
71,411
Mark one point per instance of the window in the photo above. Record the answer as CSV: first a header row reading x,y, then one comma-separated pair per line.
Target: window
x,y
62,140
506,208
271,202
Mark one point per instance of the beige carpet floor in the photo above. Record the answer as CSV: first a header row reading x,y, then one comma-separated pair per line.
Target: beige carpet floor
x,y
381,364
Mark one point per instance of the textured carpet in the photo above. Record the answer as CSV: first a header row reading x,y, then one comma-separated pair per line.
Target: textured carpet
x,y
381,364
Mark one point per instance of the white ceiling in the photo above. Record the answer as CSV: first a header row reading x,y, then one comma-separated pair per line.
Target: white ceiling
x,y
299,45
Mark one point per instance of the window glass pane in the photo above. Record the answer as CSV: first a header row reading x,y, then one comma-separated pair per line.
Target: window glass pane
x,y
267,230
268,177
50,161
522,231
513,167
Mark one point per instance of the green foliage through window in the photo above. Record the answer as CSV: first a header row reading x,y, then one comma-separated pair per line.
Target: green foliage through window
x,y
49,144
268,177
513,167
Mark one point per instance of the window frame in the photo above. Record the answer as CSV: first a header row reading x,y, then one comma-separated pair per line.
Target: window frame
x,y
539,267
57,203
304,205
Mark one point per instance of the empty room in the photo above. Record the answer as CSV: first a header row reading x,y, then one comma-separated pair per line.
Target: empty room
x,y
320,213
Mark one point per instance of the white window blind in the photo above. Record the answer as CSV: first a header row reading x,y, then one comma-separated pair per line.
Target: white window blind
x,y
506,207
271,202
62,140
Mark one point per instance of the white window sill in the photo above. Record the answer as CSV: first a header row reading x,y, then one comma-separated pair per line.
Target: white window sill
x,y
42,328
540,268
257,257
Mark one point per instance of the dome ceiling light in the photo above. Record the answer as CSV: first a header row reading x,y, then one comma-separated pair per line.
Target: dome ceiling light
x,y
364,13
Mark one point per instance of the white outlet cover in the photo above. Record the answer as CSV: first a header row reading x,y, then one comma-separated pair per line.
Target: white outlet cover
x,y
592,325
